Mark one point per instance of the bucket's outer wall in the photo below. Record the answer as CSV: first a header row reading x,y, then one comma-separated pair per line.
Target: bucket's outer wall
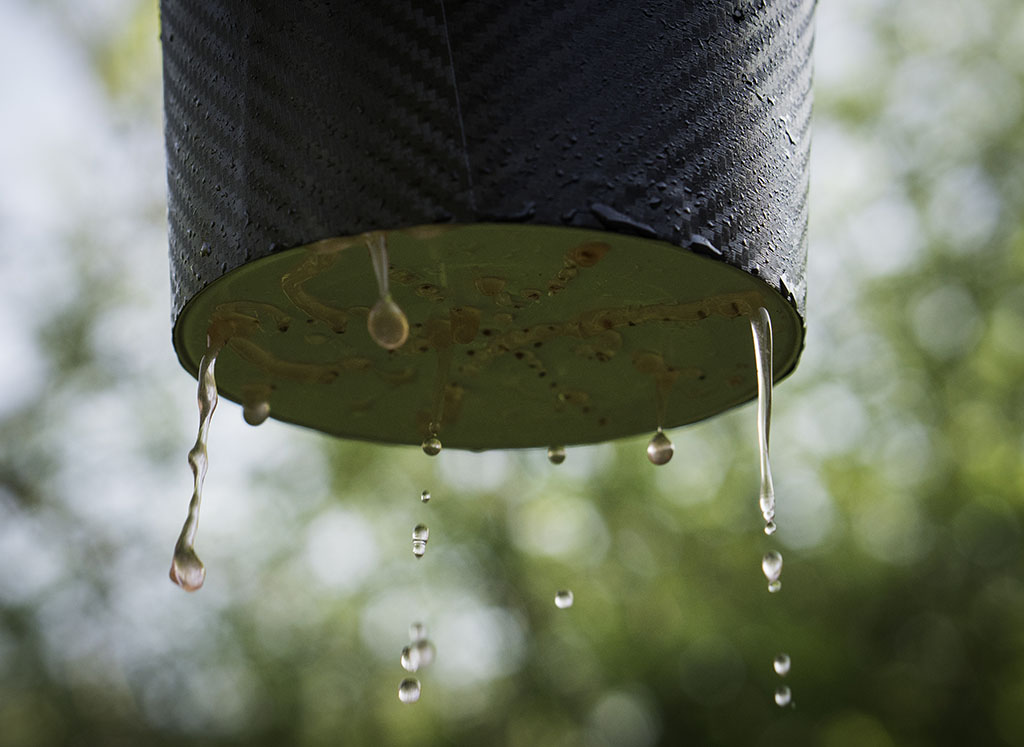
x,y
291,122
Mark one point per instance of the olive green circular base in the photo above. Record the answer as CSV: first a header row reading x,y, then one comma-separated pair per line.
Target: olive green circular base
x,y
519,336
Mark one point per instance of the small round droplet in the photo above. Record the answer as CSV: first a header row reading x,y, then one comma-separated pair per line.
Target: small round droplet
x,y
425,496
409,690
431,446
420,535
774,586
783,696
770,528
410,658
556,454
187,570
563,599
417,632
771,564
781,664
660,449
387,324
256,413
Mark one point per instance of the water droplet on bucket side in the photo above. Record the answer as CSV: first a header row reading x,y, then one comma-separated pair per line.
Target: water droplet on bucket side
x,y
783,696
387,324
556,454
431,446
420,535
409,690
781,664
256,413
425,496
771,564
563,599
660,448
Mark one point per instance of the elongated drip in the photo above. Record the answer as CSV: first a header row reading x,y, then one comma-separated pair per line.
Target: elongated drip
x,y
386,322
187,570
761,331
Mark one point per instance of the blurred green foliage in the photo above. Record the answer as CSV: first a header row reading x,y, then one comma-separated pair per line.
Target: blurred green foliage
x,y
898,449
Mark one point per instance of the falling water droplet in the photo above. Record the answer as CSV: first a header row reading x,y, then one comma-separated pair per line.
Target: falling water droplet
x,y
386,321
770,528
417,632
387,324
409,690
425,496
431,446
781,664
783,696
187,570
424,652
761,332
410,658
660,449
563,599
774,586
771,564
420,535
556,454
256,413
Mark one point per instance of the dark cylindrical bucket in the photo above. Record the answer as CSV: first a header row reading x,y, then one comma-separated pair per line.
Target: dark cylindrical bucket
x,y
583,201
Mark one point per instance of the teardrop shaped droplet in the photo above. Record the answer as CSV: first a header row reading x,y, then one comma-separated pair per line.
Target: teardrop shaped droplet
x,y
781,664
256,413
425,496
783,696
187,570
564,599
420,535
387,324
409,690
556,454
431,446
771,564
660,449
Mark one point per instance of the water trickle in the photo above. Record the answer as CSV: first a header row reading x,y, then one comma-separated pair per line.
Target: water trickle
x,y
187,570
386,321
563,599
771,564
431,446
781,664
761,331
425,496
659,448
409,690
783,696
420,535
556,454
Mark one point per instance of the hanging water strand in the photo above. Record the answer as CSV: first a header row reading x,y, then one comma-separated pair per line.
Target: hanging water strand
x,y
386,321
187,570
761,331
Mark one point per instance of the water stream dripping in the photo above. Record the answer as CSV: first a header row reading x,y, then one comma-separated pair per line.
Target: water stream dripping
x,y
386,321
187,570
761,331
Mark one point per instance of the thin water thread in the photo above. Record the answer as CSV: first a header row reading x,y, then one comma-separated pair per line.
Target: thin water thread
x,y
761,331
458,108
